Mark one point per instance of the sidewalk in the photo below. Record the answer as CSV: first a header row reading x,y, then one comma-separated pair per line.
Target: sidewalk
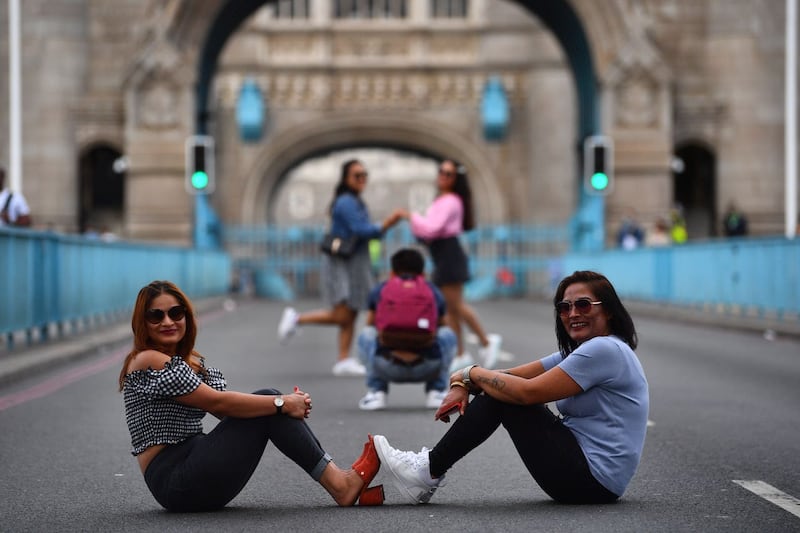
x,y
27,360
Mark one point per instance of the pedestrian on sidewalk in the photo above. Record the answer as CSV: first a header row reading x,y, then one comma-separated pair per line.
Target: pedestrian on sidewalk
x,y
446,219
345,281
168,390
586,454
14,210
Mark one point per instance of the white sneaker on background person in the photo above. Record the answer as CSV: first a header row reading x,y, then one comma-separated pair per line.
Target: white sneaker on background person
x,y
349,367
489,353
288,324
411,471
434,398
374,400
461,361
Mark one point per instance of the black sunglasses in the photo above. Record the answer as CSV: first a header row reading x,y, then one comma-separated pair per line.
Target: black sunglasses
x,y
582,305
155,316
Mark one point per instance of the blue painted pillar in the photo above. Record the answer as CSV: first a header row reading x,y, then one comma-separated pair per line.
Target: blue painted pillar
x,y
207,227
588,224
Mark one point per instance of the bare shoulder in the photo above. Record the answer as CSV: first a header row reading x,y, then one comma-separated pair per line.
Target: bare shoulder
x,y
148,359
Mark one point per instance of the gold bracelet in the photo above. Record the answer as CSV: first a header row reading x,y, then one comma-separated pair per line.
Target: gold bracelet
x,y
459,384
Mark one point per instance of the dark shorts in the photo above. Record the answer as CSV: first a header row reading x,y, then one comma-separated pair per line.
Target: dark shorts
x,y
450,262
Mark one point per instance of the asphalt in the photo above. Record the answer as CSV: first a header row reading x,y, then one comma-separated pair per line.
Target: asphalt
x,y
25,360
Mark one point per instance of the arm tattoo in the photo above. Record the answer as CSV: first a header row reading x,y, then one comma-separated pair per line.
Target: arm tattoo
x,y
495,382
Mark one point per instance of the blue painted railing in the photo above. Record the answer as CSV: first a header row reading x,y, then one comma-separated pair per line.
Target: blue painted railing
x,y
755,277
284,262
50,280
751,277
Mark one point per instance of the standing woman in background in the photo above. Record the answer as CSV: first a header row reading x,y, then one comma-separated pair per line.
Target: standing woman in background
x,y
446,219
345,282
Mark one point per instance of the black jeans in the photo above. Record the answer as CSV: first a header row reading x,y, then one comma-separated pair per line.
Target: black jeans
x,y
547,447
205,472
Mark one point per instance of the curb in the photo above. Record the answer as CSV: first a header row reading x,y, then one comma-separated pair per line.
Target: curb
x,y
22,363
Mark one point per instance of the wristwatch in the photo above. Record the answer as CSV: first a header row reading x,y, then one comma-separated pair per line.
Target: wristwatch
x,y
279,404
465,375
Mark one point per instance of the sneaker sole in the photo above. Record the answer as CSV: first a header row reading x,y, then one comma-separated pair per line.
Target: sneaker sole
x,y
371,407
415,497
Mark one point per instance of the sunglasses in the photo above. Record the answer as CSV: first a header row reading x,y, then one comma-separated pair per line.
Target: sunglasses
x,y
155,316
360,176
582,305
447,173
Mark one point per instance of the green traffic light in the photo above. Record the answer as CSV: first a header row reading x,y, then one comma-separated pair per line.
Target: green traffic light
x,y
199,180
599,181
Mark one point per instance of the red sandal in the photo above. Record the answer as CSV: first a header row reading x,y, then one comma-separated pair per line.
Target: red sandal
x,y
367,467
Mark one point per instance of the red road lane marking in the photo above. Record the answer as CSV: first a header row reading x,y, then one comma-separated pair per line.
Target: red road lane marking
x,y
60,381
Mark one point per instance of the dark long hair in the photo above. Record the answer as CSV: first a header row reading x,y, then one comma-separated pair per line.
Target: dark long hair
x,y
620,322
342,187
141,335
461,188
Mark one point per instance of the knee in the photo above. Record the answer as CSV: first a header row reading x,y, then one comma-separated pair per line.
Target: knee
x,y
268,392
445,334
368,334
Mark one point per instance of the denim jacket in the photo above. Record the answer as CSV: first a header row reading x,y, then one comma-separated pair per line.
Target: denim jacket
x,y
350,217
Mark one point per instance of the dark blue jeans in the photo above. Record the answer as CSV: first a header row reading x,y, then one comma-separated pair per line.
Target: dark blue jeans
x,y
434,372
206,471
547,447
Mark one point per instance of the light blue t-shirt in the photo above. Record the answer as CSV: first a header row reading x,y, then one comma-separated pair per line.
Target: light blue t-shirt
x,y
609,418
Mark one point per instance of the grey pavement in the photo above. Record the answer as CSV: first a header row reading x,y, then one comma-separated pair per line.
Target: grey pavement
x,y
25,360
721,411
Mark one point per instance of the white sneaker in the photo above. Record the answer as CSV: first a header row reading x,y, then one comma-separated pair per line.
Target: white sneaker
x,y
488,354
461,361
288,324
434,398
411,471
349,367
374,400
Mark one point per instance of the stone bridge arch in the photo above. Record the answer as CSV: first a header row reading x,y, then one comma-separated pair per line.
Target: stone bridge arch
x,y
596,38
417,134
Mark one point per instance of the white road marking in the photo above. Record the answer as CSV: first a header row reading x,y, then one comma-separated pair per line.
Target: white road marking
x,y
772,495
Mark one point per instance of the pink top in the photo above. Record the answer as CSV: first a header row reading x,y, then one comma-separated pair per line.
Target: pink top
x,y
443,219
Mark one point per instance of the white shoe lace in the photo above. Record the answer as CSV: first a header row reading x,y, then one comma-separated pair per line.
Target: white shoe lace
x,y
415,460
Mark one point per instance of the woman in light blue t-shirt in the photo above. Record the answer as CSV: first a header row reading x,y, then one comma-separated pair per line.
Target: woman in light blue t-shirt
x,y
587,453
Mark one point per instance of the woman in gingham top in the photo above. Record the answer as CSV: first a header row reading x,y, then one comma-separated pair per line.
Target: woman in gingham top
x,y
168,390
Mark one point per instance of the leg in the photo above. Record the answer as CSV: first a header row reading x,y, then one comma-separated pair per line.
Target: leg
x,y
552,455
346,330
480,421
367,344
446,340
207,471
340,315
453,295
469,316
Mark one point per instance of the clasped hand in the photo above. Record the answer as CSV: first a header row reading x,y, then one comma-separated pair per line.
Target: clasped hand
x,y
298,404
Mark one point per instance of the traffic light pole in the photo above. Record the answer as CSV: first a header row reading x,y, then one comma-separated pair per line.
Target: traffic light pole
x,y
206,224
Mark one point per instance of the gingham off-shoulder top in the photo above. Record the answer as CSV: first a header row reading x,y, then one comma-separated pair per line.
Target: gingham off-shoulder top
x,y
152,414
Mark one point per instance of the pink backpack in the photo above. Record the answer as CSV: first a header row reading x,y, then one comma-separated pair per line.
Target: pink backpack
x,y
406,316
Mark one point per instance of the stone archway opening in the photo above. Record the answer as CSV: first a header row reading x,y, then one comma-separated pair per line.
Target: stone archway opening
x,y
397,177
101,196
694,181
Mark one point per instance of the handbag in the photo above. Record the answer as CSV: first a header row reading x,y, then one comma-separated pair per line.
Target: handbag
x,y
338,246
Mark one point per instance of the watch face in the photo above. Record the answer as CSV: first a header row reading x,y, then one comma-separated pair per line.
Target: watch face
x,y
279,402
